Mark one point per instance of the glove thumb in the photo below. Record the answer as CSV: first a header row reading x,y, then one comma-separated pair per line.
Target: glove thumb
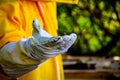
x,y
36,29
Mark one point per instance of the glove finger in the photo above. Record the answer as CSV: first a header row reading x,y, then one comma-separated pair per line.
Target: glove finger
x,y
65,43
56,39
52,45
53,41
69,40
72,40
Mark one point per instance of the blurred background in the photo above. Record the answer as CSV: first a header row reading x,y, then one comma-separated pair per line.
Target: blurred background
x,y
97,48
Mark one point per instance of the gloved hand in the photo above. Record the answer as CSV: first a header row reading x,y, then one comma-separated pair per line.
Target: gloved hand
x,y
23,56
42,46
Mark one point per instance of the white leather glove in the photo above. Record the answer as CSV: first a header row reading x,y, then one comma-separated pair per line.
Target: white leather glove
x,y
42,46
19,58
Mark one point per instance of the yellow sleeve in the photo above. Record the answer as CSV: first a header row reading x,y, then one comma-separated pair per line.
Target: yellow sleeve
x,y
10,25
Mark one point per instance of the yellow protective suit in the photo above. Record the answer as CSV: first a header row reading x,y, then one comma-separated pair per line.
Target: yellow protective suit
x,y
16,18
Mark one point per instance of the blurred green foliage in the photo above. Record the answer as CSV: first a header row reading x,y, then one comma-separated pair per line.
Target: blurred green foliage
x,y
96,23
